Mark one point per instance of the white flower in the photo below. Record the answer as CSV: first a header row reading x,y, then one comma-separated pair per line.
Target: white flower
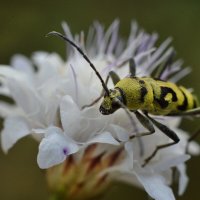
x,y
49,94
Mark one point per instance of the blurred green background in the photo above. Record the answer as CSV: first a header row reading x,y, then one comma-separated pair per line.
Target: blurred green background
x,y
23,25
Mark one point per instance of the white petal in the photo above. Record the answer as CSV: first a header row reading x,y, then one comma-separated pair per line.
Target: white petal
x,y
182,73
70,115
194,148
7,110
129,151
6,73
155,186
173,121
54,148
183,179
158,53
167,163
38,130
125,178
104,137
4,90
23,64
48,65
67,30
14,129
121,133
25,96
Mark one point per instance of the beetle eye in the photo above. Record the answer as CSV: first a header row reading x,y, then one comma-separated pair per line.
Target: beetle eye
x,y
115,105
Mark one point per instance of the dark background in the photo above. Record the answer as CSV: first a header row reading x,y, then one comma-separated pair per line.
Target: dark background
x,y
23,25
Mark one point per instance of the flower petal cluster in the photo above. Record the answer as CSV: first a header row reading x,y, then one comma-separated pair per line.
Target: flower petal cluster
x,y
49,95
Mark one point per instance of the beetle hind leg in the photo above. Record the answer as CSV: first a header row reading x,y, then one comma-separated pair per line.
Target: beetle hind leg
x,y
168,132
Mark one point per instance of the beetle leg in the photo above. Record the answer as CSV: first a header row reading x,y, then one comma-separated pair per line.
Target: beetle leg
x,y
128,112
168,132
146,124
114,77
132,67
93,102
98,98
192,112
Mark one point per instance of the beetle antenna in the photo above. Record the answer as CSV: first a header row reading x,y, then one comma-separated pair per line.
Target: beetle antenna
x,y
84,56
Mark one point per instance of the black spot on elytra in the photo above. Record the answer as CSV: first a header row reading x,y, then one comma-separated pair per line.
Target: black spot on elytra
x,y
141,82
143,92
194,103
164,91
184,105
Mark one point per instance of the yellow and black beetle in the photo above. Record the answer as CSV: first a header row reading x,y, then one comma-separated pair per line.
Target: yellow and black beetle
x,y
144,96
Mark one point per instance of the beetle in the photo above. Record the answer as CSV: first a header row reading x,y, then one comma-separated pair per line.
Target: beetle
x,y
143,96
